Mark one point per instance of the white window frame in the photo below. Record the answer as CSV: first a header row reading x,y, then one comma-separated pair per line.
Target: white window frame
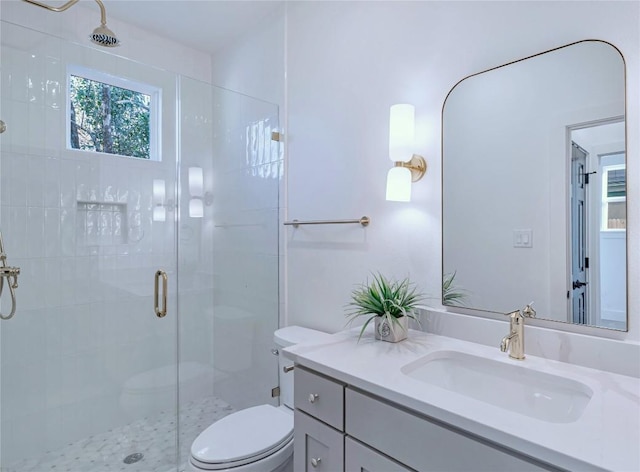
x,y
109,79
606,199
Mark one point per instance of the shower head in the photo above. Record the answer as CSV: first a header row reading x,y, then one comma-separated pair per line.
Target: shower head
x,y
102,35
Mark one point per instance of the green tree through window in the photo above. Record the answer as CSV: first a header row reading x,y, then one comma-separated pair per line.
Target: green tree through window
x,y
109,119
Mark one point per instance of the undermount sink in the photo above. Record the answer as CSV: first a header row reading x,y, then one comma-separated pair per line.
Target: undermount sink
x,y
539,395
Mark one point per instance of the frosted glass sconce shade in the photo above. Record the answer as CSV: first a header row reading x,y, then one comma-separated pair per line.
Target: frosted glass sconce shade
x,y
199,198
401,132
399,184
196,208
159,192
159,213
408,167
158,195
196,182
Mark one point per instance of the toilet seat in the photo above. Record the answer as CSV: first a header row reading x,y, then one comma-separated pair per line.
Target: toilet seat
x,y
243,437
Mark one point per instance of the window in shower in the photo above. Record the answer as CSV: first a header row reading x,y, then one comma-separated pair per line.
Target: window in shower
x,y
112,115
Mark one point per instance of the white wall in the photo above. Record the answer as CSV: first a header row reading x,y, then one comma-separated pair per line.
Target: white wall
x,y
612,285
254,64
346,63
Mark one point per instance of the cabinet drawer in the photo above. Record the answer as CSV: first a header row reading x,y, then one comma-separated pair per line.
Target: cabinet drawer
x,y
422,444
360,458
320,397
316,446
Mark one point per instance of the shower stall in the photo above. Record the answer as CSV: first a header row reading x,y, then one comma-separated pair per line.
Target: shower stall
x,y
94,376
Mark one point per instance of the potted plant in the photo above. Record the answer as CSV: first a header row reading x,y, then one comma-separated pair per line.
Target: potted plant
x,y
389,303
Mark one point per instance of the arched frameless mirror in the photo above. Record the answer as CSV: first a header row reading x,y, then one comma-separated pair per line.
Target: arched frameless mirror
x,y
534,187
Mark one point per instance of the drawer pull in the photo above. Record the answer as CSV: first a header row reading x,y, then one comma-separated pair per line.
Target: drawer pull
x,y
313,397
287,368
316,462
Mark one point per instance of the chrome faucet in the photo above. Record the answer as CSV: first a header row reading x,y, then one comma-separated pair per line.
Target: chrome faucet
x,y
514,341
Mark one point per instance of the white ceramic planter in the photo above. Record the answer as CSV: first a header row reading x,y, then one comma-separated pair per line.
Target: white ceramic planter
x,y
391,332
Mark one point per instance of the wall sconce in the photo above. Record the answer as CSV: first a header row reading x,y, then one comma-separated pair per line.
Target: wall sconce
x,y
408,167
199,198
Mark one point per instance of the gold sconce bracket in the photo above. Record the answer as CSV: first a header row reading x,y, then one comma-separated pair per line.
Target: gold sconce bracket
x,y
417,165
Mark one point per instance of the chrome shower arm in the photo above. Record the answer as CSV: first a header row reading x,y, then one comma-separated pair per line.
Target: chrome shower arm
x,y
103,13
64,7
69,4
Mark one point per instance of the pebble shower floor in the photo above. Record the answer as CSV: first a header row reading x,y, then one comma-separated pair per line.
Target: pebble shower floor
x,y
153,437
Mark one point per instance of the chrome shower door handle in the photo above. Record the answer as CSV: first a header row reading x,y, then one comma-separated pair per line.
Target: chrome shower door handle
x,y
160,313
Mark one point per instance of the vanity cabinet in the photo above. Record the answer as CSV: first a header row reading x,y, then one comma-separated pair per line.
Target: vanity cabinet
x,y
318,442
320,397
316,446
422,443
360,458
340,428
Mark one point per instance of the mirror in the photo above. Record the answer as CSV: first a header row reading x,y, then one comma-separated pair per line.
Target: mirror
x,y
534,187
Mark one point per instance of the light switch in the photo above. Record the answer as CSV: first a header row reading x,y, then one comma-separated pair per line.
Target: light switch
x,y
522,238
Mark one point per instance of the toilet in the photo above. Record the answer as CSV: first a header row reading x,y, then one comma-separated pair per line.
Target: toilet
x,y
260,438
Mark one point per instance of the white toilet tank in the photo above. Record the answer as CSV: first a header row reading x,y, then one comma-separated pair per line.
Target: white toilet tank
x,y
289,336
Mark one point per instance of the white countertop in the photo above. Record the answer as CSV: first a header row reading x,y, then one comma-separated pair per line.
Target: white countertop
x,y
605,437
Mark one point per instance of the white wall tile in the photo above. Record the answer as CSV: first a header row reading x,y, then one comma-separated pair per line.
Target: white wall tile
x,y
36,78
35,231
67,183
68,231
16,233
52,183
52,287
18,115
36,126
52,246
19,79
18,182
54,130
36,176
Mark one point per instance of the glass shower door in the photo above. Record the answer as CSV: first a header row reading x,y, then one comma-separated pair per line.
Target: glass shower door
x,y
88,374
231,173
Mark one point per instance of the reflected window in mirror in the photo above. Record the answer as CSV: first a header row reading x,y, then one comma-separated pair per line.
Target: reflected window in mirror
x,y
614,196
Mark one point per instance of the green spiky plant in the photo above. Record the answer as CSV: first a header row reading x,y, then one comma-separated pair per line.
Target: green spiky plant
x,y
451,294
385,298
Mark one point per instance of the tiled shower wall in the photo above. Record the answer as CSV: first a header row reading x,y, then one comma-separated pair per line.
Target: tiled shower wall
x,y
228,260
79,225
